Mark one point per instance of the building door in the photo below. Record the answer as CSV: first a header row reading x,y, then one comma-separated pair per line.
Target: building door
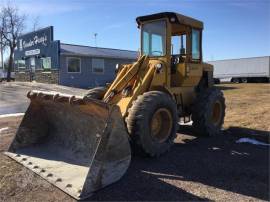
x,y
32,64
32,68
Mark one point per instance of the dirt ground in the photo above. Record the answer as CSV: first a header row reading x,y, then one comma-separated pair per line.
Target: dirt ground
x,y
196,168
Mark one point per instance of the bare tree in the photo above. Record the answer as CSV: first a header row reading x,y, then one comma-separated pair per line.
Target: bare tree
x,y
13,25
2,43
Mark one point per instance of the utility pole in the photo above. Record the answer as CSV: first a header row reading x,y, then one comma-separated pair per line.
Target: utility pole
x,y
95,35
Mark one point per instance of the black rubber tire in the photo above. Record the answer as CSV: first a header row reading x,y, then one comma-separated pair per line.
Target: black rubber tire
x,y
202,111
244,80
139,119
216,81
95,93
236,80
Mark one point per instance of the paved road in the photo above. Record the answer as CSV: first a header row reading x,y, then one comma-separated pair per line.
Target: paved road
x,y
13,95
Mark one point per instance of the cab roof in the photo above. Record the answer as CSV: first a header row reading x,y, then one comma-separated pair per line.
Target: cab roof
x,y
180,19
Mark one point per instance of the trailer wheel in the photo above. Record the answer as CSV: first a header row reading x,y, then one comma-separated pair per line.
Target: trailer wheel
x,y
152,123
244,80
216,81
208,112
95,93
235,80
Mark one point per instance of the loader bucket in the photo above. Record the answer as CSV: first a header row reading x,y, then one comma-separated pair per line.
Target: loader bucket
x,y
78,145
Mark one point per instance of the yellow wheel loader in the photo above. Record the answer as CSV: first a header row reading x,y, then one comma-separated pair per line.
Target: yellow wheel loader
x,y
82,144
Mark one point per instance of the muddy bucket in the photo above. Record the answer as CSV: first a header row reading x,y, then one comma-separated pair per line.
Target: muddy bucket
x,y
78,145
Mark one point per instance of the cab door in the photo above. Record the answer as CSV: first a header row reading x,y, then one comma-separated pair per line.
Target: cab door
x,y
192,69
187,71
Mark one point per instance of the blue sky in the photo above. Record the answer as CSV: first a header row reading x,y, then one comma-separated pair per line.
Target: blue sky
x,y
233,28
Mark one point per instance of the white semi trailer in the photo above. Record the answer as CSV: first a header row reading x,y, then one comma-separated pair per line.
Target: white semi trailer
x,y
256,69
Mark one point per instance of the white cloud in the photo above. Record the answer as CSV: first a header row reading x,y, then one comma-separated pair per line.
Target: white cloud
x,y
113,26
250,5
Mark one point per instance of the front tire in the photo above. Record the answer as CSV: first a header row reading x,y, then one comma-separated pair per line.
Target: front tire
x,y
152,123
208,112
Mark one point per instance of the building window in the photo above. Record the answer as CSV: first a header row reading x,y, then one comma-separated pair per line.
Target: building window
x,y
196,44
74,65
98,66
32,61
20,64
46,63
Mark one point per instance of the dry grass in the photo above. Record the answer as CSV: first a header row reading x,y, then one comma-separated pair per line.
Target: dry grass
x,y
248,105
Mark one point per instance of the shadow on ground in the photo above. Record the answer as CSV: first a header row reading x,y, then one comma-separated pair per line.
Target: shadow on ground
x,y
217,162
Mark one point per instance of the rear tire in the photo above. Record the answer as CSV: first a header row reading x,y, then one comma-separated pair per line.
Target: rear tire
x,y
95,93
152,123
208,112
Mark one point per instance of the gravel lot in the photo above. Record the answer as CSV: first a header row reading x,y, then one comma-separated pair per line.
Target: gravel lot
x,y
196,168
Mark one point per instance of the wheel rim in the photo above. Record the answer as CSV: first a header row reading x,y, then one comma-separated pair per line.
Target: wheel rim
x,y
161,125
216,113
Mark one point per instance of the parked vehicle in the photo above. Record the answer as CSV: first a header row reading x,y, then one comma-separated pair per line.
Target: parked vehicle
x,y
256,69
3,75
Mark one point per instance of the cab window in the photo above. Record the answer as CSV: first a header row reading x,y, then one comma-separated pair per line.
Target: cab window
x,y
154,38
178,45
196,43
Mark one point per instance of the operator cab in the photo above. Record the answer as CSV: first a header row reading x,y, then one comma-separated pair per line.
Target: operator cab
x,y
171,35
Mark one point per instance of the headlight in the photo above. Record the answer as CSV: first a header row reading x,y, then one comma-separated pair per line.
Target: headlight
x,y
172,19
158,66
116,68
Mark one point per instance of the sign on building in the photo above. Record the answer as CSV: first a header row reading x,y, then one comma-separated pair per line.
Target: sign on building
x,y
37,51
